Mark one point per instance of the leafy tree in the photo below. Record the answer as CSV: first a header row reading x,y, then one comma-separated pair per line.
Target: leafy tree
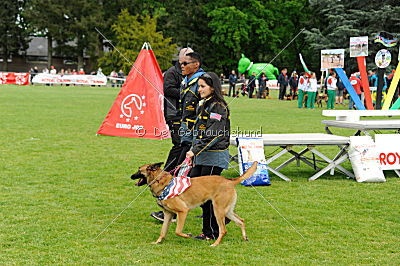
x,y
47,18
82,17
13,32
186,22
131,32
111,10
258,29
291,16
334,22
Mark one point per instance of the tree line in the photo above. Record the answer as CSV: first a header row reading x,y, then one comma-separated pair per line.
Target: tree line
x,y
220,30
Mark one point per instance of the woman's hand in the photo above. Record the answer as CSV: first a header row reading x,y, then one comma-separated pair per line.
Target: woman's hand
x,y
189,154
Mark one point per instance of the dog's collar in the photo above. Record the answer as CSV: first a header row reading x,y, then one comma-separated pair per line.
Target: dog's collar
x,y
158,180
162,194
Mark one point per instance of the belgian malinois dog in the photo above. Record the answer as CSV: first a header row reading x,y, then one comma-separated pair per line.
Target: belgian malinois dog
x,y
220,190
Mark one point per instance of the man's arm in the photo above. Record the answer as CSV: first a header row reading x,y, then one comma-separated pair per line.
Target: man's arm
x,y
171,85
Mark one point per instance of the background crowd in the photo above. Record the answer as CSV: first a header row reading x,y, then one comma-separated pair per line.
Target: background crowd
x,y
306,88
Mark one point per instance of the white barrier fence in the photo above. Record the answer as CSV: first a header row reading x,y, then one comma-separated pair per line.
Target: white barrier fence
x,y
43,78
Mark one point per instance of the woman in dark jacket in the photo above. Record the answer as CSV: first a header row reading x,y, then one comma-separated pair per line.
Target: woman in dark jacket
x,y
211,142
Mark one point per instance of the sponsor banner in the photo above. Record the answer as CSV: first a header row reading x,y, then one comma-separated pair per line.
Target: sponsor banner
x,y
44,78
251,150
383,58
358,46
332,59
386,39
14,78
388,146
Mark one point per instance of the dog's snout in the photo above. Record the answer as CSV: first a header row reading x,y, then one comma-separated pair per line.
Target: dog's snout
x,y
136,176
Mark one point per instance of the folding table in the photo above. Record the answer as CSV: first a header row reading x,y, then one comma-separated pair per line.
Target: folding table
x,y
350,119
310,140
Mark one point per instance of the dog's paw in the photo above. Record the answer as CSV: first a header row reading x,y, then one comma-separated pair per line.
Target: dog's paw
x,y
245,238
156,242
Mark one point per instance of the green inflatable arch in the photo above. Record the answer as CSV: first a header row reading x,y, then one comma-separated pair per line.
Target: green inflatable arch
x,y
245,65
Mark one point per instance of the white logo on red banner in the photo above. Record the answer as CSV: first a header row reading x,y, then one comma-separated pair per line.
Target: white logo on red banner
x,y
132,105
14,78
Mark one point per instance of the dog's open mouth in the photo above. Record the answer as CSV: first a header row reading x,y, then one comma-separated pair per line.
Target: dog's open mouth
x,y
142,179
141,182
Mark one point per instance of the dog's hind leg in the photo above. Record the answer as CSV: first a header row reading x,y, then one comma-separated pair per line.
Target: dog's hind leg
x,y
164,229
239,221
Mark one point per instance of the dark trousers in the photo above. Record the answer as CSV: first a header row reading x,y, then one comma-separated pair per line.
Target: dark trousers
x,y
293,92
210,225
282,92
251,90
260,93
232,88
176,150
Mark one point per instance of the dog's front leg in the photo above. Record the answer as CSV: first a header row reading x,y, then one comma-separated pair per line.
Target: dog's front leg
x,y
181,218
165,226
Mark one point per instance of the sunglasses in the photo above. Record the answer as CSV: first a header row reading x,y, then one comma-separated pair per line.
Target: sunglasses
x,y
187,63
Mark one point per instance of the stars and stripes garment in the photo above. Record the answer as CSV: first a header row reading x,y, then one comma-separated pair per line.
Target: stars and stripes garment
x,y
215,116
179,183
177,186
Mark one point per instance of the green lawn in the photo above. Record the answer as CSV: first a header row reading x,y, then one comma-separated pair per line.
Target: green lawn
x,y
61,185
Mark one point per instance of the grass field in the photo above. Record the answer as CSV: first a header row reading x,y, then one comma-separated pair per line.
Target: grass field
x,y
61,185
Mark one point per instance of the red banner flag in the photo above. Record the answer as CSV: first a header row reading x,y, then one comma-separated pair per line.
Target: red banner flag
x,y
137,111
14,78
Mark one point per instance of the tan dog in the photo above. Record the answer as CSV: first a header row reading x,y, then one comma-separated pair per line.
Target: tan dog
x,y
216,188
321,97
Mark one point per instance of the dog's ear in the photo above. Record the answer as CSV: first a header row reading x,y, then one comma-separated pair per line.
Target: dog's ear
x,y
154,166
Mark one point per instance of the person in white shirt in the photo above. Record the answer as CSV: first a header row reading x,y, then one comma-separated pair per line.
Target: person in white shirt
x,y
312,91
53,70
301,89
331,90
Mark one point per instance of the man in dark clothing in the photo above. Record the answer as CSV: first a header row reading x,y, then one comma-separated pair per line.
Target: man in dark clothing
x,y
293,85
252,84
232,83
283,83
172,83
262,85
120,75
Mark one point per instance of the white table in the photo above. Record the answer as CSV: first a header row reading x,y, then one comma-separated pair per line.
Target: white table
x,y
310,140
351,119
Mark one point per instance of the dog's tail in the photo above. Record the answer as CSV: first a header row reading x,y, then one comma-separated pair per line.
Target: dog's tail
x,y
246,175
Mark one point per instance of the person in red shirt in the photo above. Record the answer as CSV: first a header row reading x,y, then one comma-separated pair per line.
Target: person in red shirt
x,y
81,72
356,83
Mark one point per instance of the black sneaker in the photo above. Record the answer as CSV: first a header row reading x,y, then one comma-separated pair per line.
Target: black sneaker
x,y
203,237
160,216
